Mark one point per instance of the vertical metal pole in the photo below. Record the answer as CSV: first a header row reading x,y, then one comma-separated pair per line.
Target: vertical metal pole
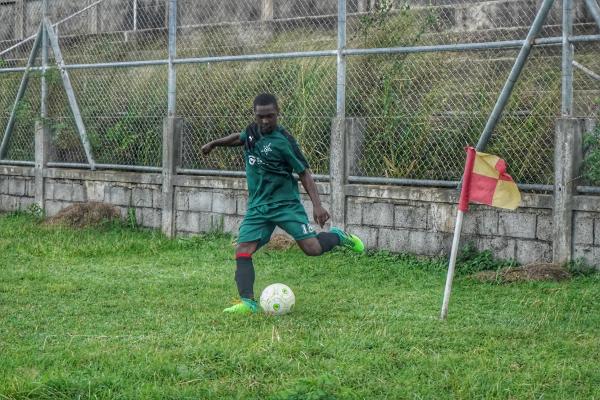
x,y
338,171
171,107
536,26
135,12
341,61
567,59
42,136
44,89
171,135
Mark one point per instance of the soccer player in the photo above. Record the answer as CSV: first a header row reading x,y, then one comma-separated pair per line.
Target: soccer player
x,y
271,156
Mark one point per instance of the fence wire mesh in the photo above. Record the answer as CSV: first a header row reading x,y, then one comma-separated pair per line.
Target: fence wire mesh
x,y
216,100
419,109
123,111
249,27
586,102
393,23
21,146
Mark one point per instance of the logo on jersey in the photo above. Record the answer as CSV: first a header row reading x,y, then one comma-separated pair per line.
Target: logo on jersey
x,y
254,160
267,149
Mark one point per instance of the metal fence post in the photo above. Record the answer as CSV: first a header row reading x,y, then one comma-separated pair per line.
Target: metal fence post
x,y
171,133
337,162
594,10
135,15
567,59
42,130
567,163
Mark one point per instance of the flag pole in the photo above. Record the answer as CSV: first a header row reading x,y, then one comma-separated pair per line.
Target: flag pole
x,y
452,264
463,207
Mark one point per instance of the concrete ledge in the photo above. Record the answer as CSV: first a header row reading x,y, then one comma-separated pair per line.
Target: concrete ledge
x,y
436,195
586,203
185,181
108,176
9,170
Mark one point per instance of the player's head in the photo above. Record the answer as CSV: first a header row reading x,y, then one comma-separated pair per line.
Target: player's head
x,y
266,111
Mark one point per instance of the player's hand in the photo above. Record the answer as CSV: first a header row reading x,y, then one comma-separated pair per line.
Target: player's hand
x,y
207,148
321,215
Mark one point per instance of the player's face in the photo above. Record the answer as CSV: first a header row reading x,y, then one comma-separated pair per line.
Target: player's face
x,y
266,118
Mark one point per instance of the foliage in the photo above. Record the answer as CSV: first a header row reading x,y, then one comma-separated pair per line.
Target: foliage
x,y
470,260
591,160
422,108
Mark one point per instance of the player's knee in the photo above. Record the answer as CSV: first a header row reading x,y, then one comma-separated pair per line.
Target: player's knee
x,y
246,248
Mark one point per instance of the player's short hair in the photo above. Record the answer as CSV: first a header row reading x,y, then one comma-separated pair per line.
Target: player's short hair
x,y
265,99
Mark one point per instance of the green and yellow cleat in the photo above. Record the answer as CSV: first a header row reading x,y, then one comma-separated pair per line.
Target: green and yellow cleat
x,y
245,306
348,240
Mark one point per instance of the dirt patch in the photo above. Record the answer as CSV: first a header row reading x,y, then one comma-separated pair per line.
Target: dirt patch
x,y
81,215
280,242
526,273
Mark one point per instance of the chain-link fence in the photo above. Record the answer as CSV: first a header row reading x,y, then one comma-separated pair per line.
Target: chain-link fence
x,y
422,75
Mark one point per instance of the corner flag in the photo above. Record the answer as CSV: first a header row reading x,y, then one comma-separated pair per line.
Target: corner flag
x,y
485,181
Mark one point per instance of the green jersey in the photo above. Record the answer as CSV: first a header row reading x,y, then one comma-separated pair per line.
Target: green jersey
x,y
270,160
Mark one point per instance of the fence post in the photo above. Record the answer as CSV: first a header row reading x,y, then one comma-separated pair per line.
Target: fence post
x,y
171,133
567,59
567,164
338,172
171,142
355,137
337,162
42,130
42,149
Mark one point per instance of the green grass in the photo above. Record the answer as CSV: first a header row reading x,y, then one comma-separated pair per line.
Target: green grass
x,y
116,313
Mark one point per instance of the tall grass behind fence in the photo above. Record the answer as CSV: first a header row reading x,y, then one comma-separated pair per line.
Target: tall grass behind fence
x,y
420,109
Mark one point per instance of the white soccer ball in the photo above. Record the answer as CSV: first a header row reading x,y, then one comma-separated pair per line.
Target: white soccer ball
x,y
277,299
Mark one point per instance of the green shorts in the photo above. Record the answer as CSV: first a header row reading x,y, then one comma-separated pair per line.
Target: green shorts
x,y
260,222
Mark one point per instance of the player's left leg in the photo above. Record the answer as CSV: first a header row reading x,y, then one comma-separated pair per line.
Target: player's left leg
x,y
293,219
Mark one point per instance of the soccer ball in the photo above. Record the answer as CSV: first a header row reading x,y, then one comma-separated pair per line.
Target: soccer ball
x,y
277,299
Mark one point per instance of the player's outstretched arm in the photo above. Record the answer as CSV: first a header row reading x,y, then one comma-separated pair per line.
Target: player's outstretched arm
x,y
320,214
230,140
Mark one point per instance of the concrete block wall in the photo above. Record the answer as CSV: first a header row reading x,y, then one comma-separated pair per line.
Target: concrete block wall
x,y
421,221
16,188
400,219
219,204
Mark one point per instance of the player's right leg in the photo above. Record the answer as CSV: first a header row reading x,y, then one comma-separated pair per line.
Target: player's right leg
x,y
244,279
255,232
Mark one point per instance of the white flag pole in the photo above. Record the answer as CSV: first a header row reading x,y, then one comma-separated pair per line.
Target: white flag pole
x,y
452,264
463,206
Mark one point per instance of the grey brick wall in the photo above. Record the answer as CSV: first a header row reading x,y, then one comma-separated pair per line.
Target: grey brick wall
x,y
422,221
400,219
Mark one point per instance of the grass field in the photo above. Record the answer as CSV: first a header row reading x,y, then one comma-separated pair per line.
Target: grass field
x,y
117,313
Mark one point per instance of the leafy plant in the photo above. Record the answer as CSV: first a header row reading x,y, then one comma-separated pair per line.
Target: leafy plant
x,y
471,260
591,161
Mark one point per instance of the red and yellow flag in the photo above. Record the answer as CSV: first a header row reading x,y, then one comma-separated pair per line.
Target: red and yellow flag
x,y
485,181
